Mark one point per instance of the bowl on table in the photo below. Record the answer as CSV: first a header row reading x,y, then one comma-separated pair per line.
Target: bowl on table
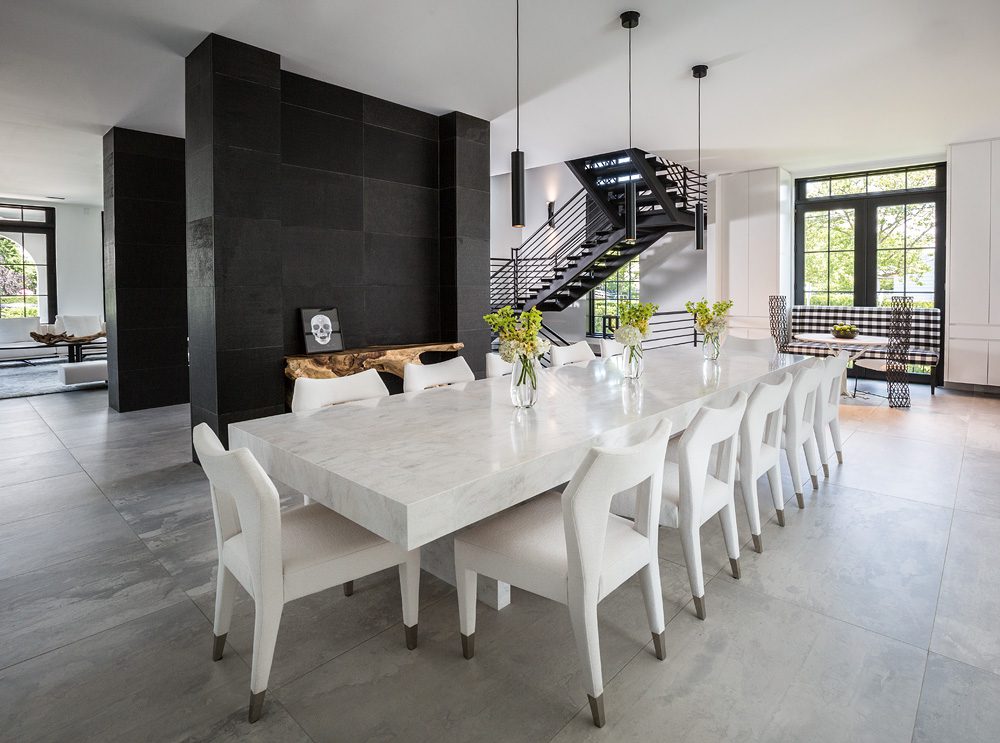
x,y
845,332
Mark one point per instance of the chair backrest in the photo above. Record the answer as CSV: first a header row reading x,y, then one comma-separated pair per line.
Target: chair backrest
x,y
752,346
422,376
828,398
496,366
762,421
610,347
586,501
800,407
243,500
310,394
580,351
78,325
710,439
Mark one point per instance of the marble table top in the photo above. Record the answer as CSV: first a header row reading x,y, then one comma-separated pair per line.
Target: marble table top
x,y
418,466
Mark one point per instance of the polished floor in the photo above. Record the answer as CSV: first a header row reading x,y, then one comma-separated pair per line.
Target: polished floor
x,y
874,615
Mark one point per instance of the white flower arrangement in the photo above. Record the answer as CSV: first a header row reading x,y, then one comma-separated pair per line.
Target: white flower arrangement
x,y
628,335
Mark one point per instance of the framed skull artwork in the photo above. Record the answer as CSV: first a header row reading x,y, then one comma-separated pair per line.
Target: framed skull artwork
x,y
321,329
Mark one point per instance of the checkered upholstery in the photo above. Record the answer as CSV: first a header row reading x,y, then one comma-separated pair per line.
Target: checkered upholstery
x,y
925,332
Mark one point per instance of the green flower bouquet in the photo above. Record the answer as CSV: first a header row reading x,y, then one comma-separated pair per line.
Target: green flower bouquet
x,y
633,326
711,322
521,346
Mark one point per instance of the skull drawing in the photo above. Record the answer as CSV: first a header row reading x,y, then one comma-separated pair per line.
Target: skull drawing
x,y
322,329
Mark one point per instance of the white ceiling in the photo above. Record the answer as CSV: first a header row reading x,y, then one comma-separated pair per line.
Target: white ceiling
x,y
802,84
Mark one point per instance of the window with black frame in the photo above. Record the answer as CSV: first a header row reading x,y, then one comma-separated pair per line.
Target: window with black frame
x,y
27,262
621,286
861,238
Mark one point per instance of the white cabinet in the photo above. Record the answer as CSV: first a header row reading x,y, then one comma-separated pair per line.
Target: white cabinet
x,y
972,348
754,243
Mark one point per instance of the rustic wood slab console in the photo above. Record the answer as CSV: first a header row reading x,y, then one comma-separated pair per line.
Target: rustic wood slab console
x,y
389,359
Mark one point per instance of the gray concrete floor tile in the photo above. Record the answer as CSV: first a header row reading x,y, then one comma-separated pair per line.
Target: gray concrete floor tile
x,y
958,704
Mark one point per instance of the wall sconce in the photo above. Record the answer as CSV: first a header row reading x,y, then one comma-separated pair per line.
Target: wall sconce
x,y
551,206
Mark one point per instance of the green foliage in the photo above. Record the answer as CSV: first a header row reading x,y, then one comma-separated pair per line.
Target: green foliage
x,y
518,332
636,314
709,318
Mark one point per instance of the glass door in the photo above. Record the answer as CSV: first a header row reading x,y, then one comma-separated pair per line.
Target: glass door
x,y
831,271
905,262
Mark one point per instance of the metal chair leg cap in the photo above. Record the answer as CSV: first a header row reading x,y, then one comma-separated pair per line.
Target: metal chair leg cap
x,y
256,705
219,646
815,481
699,606
734,563
468,646
349,588
660,644
758,544
800,499
780,513
840,457
411,637
826,470
597,710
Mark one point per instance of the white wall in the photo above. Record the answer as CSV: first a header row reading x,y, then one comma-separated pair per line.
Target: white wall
x,y
79,258
549,183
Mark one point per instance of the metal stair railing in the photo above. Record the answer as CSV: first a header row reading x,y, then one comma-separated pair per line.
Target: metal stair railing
x,y
666,329
546,253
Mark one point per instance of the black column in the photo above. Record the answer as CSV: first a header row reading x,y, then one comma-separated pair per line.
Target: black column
x,y
233,145
465,234
144,270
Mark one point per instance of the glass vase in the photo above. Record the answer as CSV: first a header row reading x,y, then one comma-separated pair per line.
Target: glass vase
x,y
711,345
524,382
632,359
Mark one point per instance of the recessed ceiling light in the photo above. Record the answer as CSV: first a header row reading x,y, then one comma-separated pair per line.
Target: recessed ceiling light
x,y
56,198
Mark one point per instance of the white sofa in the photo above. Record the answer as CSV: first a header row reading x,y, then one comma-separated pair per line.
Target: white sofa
x,y
16,342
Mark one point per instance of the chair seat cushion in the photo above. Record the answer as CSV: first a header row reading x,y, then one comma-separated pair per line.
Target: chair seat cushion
x,y
313,538
531,538
811,348
717,495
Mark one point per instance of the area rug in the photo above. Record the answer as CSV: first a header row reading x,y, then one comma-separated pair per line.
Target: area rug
x,y
18,379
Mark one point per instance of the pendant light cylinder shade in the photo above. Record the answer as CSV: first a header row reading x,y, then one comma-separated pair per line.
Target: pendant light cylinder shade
x,y
517,188
699,227
630,213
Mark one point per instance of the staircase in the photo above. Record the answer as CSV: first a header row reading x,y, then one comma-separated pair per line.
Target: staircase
x,y
583,243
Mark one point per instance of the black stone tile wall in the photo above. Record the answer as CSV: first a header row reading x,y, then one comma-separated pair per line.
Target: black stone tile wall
x,y
145,272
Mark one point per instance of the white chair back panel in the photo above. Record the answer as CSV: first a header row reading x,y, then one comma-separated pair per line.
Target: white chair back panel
x,y
496,366
762,419
752,346
311,394
833,373
586,501
422,376
711,438
800,408
240,484
610,347
580,351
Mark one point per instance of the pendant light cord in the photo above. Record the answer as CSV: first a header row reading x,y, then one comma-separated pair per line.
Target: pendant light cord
x,y
699,126
630,88
517,75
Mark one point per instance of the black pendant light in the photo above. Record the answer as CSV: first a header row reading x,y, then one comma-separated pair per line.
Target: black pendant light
x,y
630,19
699,71
517,157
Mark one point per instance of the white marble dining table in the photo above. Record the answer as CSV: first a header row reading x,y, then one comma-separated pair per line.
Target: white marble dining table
x,y
422,465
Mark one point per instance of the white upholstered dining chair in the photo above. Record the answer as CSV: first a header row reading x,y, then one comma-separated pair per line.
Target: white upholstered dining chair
x,y
311,394
751,346
828,408
568,547
760,451
610,347
279,557
701,484
571,354
423,376
496,366
799,427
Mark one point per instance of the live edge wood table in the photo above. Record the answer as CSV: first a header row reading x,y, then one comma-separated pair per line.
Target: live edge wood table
x,y
389,359
415,468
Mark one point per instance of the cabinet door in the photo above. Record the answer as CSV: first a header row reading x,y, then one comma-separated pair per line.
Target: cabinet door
x,y
736,217
969,226
968,361
995,236
993,371
762,257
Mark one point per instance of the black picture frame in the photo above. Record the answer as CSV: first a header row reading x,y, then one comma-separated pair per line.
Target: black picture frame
x,y
324,335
